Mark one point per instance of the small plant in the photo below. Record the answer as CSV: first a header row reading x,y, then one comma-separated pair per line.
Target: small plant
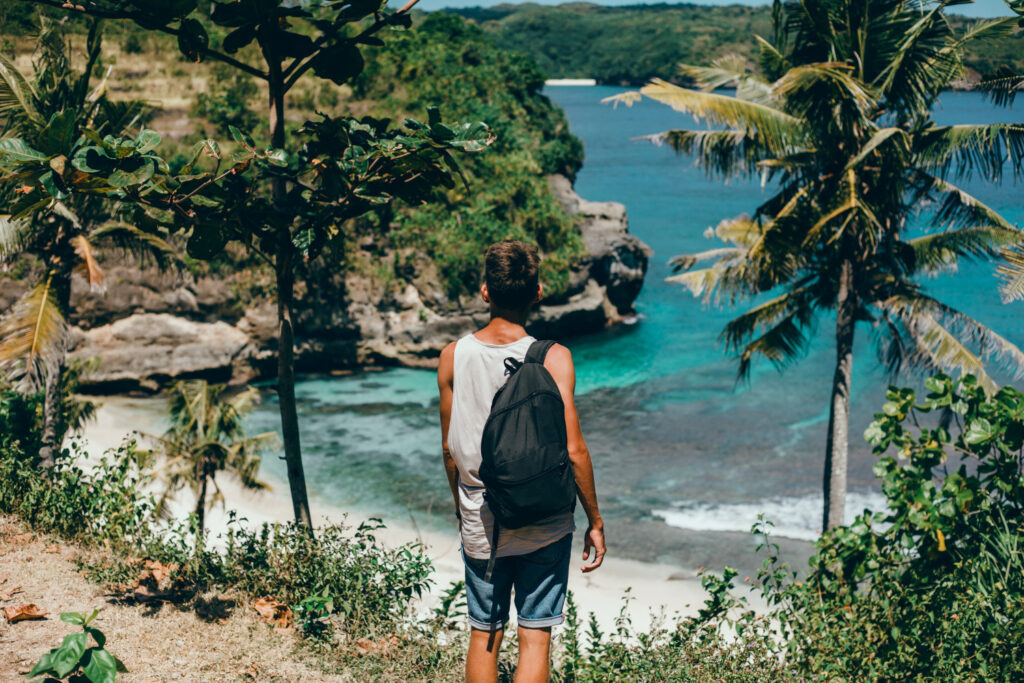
x,y
313,615
74,661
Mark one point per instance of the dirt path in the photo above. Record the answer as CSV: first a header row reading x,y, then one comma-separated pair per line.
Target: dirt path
x,y
157,643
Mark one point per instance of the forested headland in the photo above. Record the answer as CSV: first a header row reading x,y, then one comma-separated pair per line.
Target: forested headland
x,y
631,44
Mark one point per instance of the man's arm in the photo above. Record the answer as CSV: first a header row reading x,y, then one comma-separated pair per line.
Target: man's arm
x,y
445,377
559,364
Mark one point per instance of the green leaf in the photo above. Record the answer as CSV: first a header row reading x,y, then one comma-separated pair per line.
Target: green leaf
x,y
101,666
192,39
238,38
242,138
979,431
44,664
147,140
14,149
206,241
874,434
65,658
277,157
135,174
75,618
339,63
293,44
59,134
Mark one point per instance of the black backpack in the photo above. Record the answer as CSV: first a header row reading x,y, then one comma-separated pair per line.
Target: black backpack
x,y
525,463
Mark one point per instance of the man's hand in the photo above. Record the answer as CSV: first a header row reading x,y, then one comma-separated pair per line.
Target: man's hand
x,y
593,539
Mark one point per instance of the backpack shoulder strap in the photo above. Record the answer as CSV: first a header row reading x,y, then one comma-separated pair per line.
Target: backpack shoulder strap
x,y
538,351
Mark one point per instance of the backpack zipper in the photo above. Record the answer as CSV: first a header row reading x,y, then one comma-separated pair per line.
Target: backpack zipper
x,y
561,465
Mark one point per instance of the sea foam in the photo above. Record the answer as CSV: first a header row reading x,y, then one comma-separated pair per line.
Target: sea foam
x,y
794,517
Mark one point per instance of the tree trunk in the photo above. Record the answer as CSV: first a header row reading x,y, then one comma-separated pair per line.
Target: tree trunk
x,y
62,263
837,447
285,274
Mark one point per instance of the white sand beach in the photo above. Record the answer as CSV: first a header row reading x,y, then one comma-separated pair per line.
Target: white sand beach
x,y
654,588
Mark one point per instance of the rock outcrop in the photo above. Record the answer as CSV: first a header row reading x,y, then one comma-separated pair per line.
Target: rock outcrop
x,y
150,327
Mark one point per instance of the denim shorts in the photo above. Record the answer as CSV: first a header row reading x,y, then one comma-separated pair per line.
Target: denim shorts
x,y
540,580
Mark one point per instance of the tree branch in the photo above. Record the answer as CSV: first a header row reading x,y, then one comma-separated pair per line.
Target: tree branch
x,y
295,71
105,14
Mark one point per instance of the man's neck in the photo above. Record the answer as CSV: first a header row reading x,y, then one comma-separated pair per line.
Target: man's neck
x,y
504,328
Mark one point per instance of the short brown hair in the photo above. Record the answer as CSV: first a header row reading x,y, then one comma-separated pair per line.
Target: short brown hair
x,y
510,272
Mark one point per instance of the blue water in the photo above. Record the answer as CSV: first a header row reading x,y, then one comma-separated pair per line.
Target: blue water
x,y
685,457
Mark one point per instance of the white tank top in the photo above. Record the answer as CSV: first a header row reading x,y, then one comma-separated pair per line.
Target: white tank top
x,y
479,373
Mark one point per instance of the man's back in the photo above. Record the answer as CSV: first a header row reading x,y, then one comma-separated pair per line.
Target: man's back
x,y
479,371
470,372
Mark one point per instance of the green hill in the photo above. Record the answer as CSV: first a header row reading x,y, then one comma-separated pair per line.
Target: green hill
x,y
631,44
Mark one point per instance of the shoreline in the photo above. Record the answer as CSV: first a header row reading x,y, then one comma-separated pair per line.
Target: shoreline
x,y
652,589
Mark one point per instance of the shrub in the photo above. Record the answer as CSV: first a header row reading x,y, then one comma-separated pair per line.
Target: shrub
x,y
367,585
933,586
105,505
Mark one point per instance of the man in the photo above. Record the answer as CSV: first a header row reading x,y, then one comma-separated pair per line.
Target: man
x,y
532,559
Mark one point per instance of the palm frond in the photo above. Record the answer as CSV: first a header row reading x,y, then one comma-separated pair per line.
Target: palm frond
x,y
941,334
91,270
731,70
965,148
13,234
767,315
921,65
823,85
943,250
781,344
987,28
1011,272
894,135
1003,87
135,240
725,153
17,97
32,335
776,129
959,208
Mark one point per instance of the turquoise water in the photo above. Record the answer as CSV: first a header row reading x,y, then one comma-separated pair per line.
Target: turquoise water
x,y
685,457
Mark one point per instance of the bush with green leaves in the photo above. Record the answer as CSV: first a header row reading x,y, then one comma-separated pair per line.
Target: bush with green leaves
x,y
74,660
369,587
101,505
932,587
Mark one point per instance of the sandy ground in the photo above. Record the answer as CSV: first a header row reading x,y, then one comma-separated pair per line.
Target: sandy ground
x,y
654,588
157,643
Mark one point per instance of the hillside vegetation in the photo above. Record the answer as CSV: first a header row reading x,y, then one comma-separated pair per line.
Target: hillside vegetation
x,y
631,44
443,61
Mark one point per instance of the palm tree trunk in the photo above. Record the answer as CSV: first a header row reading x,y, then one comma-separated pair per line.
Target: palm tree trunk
x,y
201,510
62,263
837,447
285,274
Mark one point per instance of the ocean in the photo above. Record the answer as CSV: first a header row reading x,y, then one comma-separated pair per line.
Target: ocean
x,y
685,457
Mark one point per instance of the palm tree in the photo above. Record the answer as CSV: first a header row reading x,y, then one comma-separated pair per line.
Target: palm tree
x,y
207,436
838,113
48,113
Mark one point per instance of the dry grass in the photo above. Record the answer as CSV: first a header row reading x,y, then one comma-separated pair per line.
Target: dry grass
x,y
156,642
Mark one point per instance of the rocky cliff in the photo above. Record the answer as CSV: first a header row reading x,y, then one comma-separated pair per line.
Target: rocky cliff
x,y
149,327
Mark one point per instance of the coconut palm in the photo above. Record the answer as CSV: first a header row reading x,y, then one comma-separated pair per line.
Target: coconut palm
x,y
207,436
48,113
838,114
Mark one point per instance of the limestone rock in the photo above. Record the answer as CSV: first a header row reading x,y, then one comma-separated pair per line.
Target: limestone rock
x,y
145,350
150,327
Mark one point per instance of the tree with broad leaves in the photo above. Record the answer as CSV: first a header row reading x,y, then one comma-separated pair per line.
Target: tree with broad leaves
x,y
839,112
285,205
40,117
